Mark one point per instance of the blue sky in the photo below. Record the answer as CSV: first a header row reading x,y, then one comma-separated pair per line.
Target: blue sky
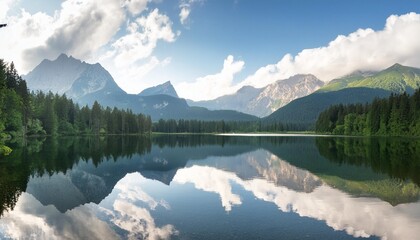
x,y
249,38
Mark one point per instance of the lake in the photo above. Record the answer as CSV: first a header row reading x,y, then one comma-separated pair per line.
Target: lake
x,y
211,187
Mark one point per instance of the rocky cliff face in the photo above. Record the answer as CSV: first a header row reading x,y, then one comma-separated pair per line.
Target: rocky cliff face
x,y
264,101
70,76
165,88
280,93
56,76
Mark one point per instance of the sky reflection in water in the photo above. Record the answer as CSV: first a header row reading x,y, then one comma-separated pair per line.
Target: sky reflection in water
x,y
219,192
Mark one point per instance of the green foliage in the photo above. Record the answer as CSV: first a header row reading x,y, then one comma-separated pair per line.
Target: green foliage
x,y
5,150
34,127
22,113
396,78
197,126
397,157
306,110
391,190
399,115
341,83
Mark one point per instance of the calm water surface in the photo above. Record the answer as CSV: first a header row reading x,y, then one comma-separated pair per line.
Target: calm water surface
x,y
211,187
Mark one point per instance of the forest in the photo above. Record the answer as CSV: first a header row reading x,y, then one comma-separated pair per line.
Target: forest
x,y
23,113
398,115
197,126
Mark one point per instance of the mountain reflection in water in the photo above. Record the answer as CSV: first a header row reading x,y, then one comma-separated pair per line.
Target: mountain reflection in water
x,y
129,187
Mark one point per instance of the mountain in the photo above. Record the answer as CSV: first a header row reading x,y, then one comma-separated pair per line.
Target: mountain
x,y
67,75
360,87
56,76
263,101
304,111
93,79
238,101
164,89
86,83
280,93
397,78
343,82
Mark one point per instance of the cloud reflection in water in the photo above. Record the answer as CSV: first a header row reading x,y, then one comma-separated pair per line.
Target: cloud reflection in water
x,y
359,217
30,219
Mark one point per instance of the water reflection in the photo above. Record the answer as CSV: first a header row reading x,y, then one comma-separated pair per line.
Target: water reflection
x,y
32,220
123,219
140,188
360,217
397,157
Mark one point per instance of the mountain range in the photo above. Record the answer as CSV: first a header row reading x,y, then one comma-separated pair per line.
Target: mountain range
x,y
359,87
264,101
86,83
297,100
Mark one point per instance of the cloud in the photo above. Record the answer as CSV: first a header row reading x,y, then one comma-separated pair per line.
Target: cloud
x,y
131,77
136,6
185,10
139,222
211,180
132,191
88,30
212,86
364,49
30,219
120,211
5,6
141,40
79,28
127,214
130,58
359,217
183,15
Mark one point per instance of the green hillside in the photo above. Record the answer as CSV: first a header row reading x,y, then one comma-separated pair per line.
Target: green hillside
x,y
393,191
341,83
397,78
360,87
305,110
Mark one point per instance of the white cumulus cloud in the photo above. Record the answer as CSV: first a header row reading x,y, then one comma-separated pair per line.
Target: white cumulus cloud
x,y
185,10
136,6
364,49
211,180
142,38
183,15
4,8
79,28
212,86
130,58
90,30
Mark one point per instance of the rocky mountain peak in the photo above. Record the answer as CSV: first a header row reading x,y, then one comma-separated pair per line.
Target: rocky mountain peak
x,y
165,88
56,76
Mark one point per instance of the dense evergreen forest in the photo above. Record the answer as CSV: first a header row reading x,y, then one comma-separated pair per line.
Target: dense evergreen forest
x,y
23,113
197,126
398,115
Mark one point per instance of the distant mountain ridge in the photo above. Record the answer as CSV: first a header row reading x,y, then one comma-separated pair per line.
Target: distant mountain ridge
x,y
396,78
86,83
360,87
165,88
58,81
263,101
